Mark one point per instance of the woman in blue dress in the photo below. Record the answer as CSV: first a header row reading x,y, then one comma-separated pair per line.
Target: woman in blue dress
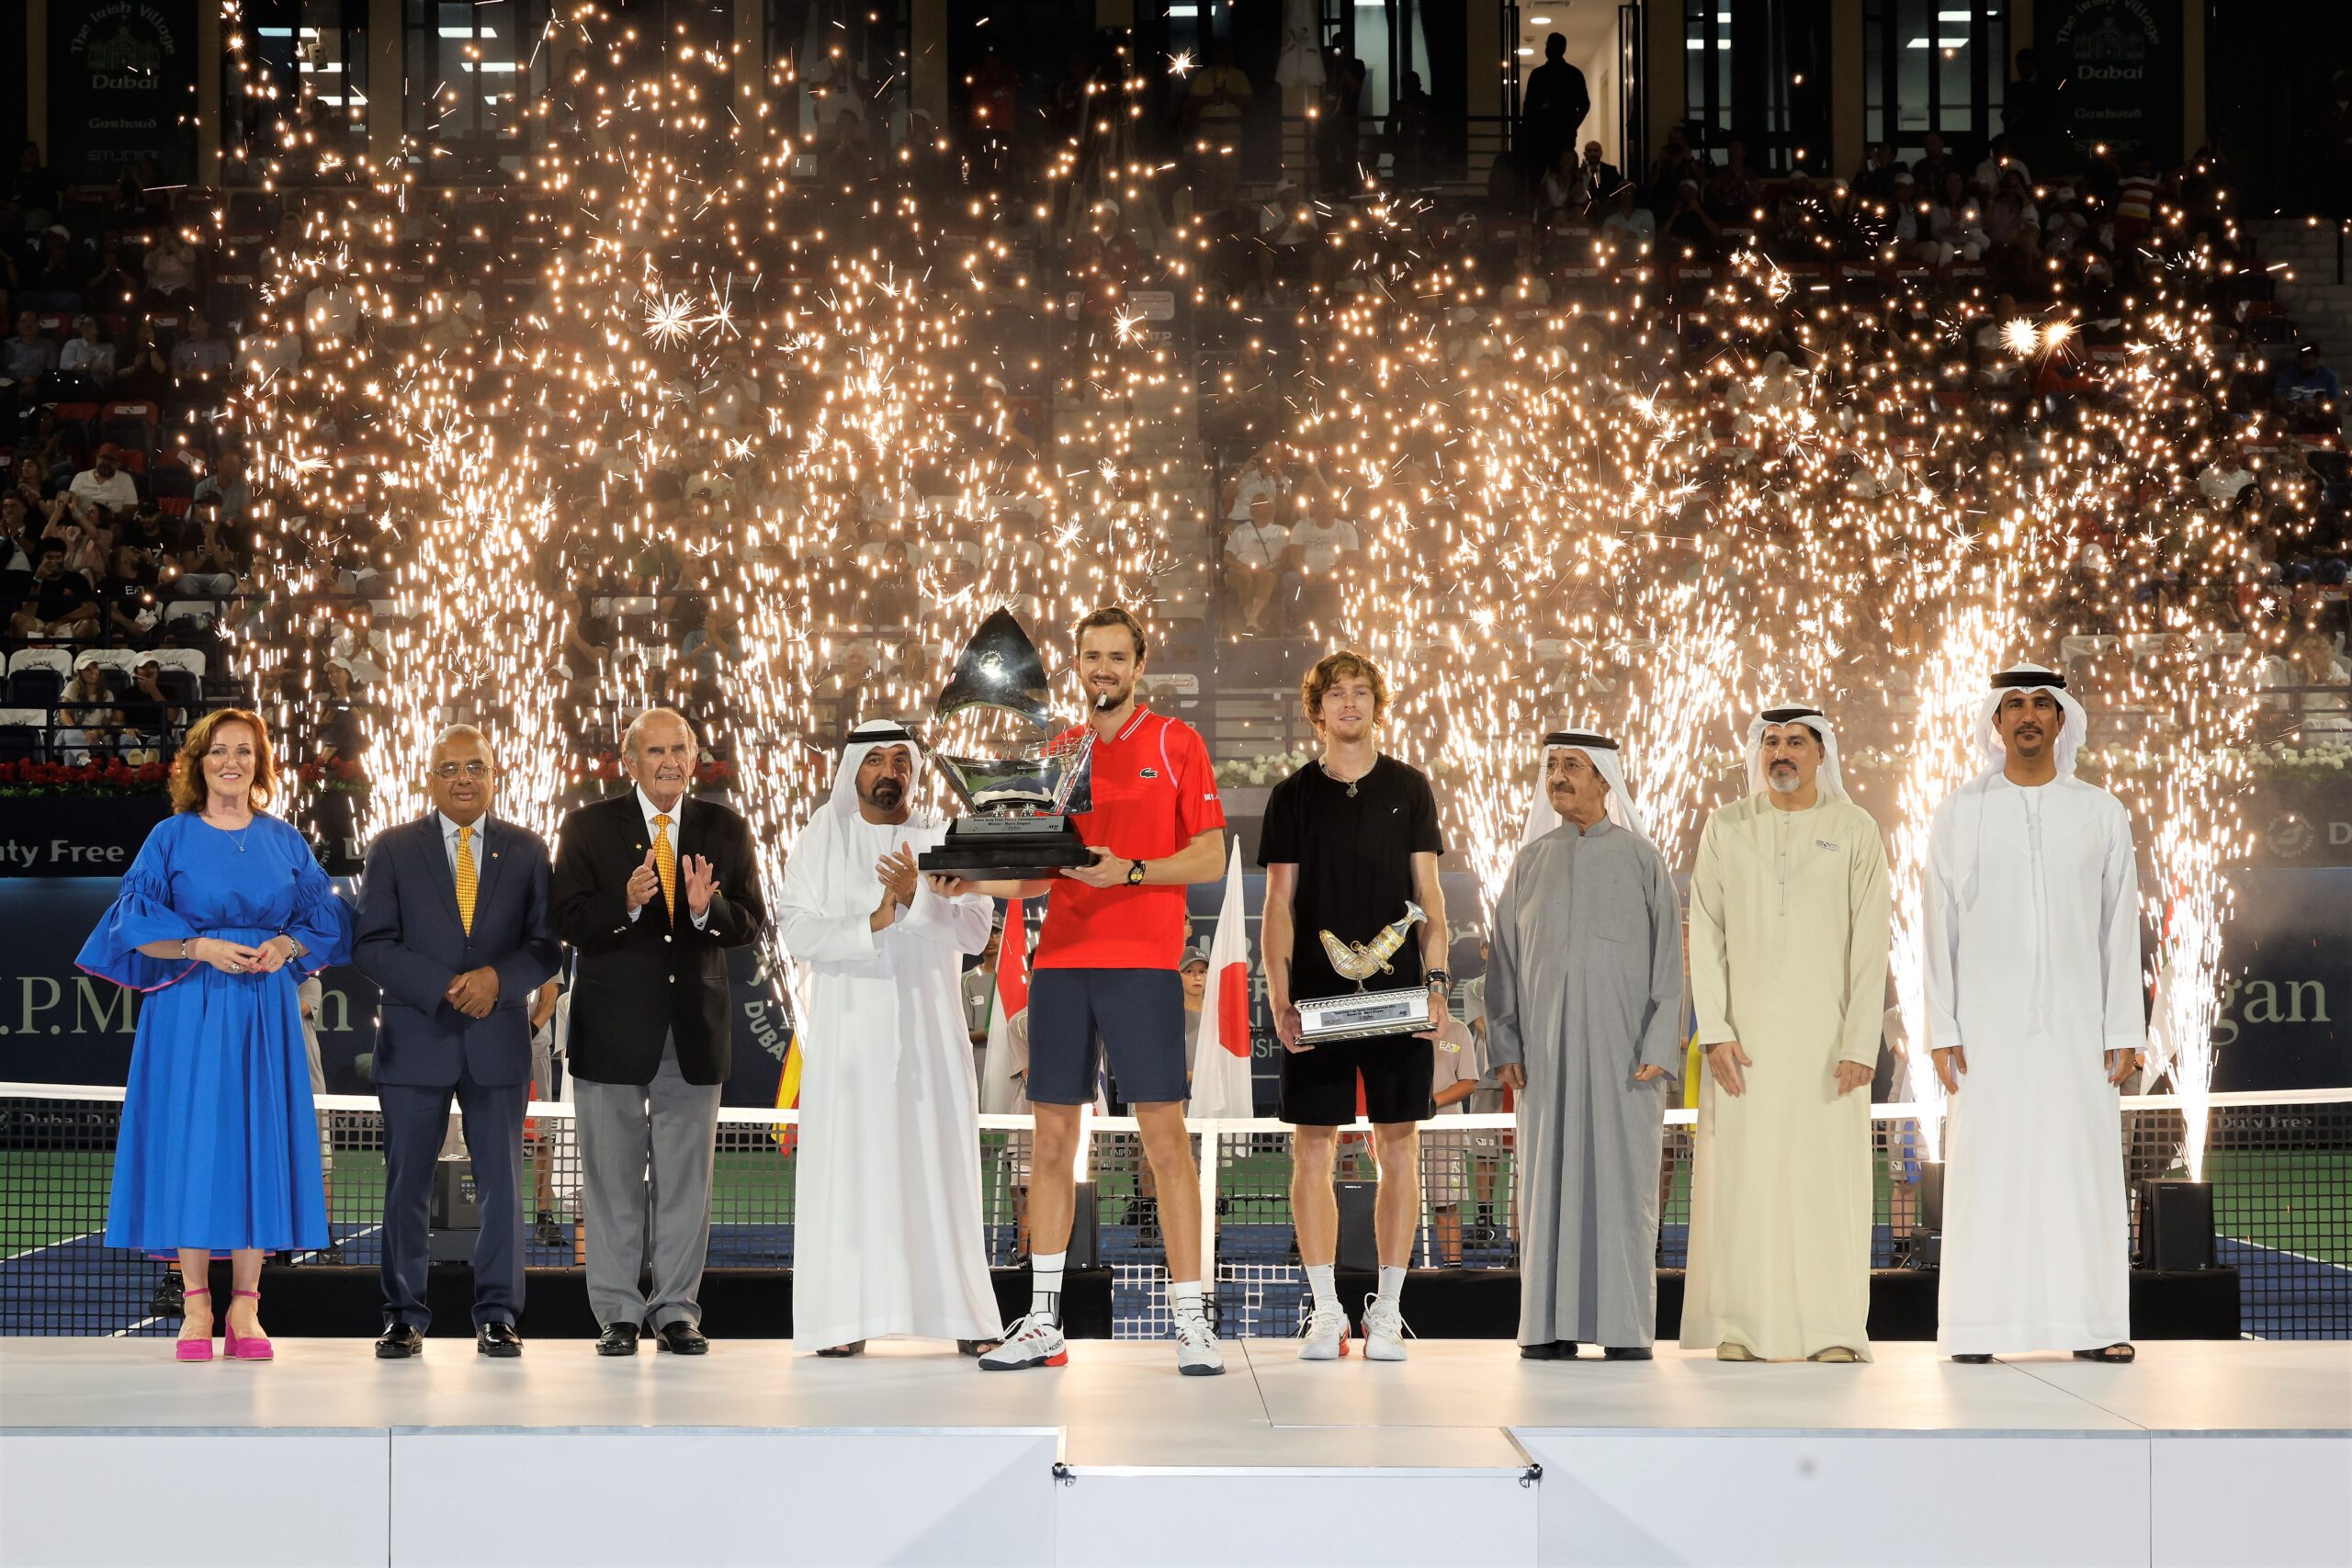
x,y
218,920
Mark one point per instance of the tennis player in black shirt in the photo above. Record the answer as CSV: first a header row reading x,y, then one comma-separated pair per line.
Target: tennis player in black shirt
x,y
1349,839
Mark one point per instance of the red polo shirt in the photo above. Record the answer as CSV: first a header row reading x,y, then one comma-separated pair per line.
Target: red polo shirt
x,y
1154,792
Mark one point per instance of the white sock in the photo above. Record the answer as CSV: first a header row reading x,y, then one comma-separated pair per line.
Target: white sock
x,y
1045,1284
1320,1279
1392,1285
1184,1295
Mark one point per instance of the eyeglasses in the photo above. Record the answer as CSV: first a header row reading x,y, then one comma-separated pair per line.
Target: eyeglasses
x,y
473,770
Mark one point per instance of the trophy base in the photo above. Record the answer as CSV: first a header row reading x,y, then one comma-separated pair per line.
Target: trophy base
x,y
1362,1015
1017,849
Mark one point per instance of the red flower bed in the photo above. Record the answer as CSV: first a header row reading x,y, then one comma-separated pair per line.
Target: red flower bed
x,y
112,777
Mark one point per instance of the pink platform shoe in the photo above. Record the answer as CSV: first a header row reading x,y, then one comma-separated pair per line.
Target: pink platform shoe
x,y
237,1349
195,1350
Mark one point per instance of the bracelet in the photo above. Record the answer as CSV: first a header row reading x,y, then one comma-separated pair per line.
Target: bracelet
x,y
184,945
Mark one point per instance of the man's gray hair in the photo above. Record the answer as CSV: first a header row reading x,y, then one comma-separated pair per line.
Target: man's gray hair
x,y
636,730
464,732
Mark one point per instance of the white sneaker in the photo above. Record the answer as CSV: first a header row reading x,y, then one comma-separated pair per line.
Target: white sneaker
x,y
1324,1335
1196,1354
1383,1331
1034,1341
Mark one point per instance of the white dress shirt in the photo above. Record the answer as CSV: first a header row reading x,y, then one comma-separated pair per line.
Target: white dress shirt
x,y
645,804
480,824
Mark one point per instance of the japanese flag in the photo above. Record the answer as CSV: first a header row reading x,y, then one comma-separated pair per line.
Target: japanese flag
x,y
1221,1070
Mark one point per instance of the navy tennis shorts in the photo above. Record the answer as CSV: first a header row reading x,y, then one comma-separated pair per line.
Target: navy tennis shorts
x,y
1132,1017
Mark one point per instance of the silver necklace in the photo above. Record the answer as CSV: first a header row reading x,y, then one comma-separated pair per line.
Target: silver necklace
x,y
1337,779
241,838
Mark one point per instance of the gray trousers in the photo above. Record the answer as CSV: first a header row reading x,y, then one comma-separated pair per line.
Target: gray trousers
x,y
646,1156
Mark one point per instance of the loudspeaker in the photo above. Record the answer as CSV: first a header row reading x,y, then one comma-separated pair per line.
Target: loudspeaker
x,y
2175,1226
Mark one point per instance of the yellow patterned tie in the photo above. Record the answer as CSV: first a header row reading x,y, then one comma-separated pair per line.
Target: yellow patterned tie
x,y
465,879
666,864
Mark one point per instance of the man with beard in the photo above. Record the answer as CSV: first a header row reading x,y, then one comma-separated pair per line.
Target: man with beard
x,y
1584,1018
889,1194
1789,926
2034,1016
1103,986
651,890
1352,846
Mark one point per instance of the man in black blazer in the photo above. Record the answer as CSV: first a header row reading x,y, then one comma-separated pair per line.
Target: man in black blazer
x,y
651,890
456,928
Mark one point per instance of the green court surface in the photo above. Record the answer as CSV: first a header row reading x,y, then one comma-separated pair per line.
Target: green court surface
x,y
2295,1200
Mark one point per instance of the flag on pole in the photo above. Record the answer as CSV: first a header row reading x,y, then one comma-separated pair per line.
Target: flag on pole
x,y
1005,1064
1221,1068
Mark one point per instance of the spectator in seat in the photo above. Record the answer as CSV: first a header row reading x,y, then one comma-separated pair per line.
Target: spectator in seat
x,y
198,355
27,356
35,190
2309,393
1601,178
2225,477
1874,181
1255,546
331,313
103,484
1689,226
1562,189
1629,226
2135,204
127,595
86,718
171,269
1732,192
109,285
63,603
147,709
2011,207
2310,661
225,489
1321,546
86,352
142,369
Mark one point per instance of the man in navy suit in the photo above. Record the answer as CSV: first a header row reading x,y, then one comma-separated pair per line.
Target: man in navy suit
x,y
456,928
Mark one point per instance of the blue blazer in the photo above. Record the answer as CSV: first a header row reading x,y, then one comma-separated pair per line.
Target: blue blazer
x,y
410,941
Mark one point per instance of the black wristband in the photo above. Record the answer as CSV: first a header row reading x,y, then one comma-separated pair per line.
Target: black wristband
x,y
1439,978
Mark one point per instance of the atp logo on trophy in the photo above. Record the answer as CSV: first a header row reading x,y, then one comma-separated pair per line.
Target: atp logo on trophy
x,y
1017,808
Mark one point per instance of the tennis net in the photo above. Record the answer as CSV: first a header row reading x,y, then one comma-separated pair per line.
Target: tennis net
x,y
2280,1165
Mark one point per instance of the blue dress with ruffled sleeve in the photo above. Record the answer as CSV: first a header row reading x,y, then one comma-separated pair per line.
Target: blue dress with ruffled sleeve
x,y
220,1145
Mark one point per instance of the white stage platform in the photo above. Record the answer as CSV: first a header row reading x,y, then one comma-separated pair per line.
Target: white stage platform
x,y
2204,1453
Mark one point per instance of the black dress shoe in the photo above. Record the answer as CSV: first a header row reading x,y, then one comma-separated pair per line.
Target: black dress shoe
x,y
1972,1360
399,1343
618,1339
547,1232
170,1298
682,1337
1627,1353
855,1347
1558,1349
498,1340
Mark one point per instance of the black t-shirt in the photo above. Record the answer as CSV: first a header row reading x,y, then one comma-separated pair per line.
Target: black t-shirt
x,y
1356,866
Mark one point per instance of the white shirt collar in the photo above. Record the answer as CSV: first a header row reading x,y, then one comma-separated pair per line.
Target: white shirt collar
x,y
481,825
676,813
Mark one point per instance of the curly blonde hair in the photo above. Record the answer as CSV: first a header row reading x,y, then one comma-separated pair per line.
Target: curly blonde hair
x,y
188,768
1331,667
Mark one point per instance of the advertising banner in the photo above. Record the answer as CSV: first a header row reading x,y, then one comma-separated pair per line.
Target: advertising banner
x,y
122,87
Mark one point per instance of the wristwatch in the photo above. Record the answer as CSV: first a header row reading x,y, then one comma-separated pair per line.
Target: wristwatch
x,y
1439,978
1135,874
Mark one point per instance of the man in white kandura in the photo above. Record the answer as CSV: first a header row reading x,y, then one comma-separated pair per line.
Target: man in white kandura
x,y
1788,976
2034,1015
1584,1018
890,1162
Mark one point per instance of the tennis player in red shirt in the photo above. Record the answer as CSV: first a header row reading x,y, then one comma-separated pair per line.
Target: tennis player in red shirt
x,y
1104,983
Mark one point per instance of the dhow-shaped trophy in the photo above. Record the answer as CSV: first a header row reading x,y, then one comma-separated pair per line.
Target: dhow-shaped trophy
x,y
1017,808
1361,1014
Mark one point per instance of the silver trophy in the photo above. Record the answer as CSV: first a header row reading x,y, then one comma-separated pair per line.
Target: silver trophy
x,y
1361,1014
1017,808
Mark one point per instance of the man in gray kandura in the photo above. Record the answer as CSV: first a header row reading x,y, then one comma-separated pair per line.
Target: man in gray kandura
x,y
1584,1020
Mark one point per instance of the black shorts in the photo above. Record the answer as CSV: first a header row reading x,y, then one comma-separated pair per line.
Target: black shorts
x,y
1134,1017
1319,1087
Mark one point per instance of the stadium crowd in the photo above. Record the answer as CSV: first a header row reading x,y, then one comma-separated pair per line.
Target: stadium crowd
x,y
1889,301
